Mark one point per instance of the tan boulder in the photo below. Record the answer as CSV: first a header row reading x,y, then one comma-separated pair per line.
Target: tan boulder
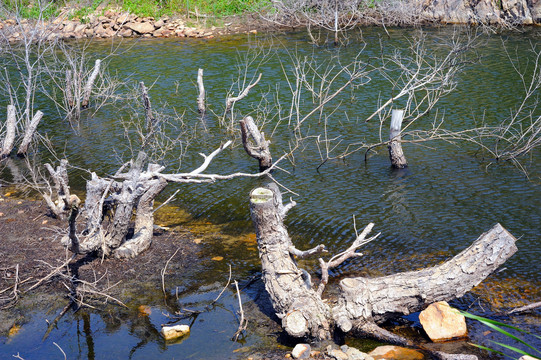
x,y
441,322
140,27
390,352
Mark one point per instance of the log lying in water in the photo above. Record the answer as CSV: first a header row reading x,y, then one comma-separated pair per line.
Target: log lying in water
x,y
363,302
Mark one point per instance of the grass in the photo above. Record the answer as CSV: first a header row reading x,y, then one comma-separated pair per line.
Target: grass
x,y
145,8
505,329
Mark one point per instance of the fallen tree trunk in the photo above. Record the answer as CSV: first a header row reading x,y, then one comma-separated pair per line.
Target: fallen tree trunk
x,y
363,302
298,305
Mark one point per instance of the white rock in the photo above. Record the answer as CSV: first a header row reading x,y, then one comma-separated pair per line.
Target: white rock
x,y
301,351
176,331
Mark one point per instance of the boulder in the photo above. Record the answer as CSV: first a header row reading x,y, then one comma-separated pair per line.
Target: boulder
x,y
301,351
140,27
441,322
176,331
390,352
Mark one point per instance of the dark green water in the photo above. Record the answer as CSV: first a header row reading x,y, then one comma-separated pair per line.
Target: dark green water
x,y
444,200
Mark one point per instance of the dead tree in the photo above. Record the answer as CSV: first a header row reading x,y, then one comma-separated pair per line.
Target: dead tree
x,y
201,97
29,133
258,147
61,206
363,302
89,84
398,160
111,203
9,138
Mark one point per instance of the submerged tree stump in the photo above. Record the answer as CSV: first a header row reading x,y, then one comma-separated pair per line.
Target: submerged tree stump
x,y
363,302
398,160
254,143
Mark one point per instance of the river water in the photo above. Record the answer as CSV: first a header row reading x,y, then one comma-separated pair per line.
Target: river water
x,y
447,197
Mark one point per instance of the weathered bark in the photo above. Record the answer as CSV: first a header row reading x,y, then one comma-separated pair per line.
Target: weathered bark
x,y
68,89
302,311
144,223
258,148
90,83
363,302
398,160
379,299
61,206
201,97
9,139
29,133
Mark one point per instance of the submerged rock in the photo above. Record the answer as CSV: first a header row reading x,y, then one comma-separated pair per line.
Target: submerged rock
x,y
389,352
441,322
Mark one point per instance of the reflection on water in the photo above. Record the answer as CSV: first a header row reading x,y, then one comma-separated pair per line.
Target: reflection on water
x,y
426,213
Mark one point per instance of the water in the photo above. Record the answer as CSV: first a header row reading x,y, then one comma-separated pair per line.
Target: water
x,y
443,201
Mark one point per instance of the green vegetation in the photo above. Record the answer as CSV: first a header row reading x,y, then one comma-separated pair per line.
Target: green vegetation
x,y
31,9
146,8
502,329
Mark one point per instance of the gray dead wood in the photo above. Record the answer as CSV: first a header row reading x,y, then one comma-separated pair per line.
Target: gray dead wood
x,y
254,143
123,204
398,160
61,206
363,302
29,133
379,299
9,138
201,97
301,309
68,89
231,100
87,90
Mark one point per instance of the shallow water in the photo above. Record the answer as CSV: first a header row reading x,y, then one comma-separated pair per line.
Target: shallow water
x,y
436,207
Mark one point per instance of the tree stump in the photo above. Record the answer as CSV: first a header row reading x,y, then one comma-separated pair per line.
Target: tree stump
x,y
398,160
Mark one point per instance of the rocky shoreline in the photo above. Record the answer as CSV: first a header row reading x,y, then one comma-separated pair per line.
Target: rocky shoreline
x,y
112,23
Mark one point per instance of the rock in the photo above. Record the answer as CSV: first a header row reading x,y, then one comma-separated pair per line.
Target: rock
x,y
158,24
70,27
173,332
527,357
301,351
446,356
441,322
125,33
140,28
355,354
337,354
390,352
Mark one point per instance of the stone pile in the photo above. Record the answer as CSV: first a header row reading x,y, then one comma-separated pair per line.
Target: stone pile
x,y
109,24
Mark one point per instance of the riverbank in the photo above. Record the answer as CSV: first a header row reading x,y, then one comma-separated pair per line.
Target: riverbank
x,y
110,22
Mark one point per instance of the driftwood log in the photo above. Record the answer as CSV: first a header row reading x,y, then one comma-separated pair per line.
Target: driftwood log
x,y
363,303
